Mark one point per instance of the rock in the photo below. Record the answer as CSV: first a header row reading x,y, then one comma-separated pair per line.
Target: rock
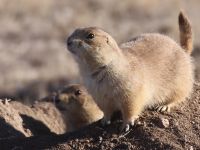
x,y
163,122
100,139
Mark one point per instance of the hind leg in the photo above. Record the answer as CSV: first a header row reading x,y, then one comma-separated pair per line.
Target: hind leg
x,y
175,99
182,85
165,107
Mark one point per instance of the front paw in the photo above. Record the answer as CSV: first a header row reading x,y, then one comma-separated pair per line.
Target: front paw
x,y
105,122
126,126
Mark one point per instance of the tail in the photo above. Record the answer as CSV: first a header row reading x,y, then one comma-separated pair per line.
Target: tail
x,y
185,28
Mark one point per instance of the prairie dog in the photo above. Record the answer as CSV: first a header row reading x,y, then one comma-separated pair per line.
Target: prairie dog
x,y
149,70
77,107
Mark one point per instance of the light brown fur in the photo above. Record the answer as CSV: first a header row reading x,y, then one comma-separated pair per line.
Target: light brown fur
x,y
149,70
186,39
78,109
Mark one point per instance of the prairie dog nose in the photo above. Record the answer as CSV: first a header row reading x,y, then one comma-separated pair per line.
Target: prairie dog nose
x,y
69,42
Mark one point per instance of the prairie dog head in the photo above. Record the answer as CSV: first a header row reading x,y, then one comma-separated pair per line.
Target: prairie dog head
x,y
72,98
77,106
92,46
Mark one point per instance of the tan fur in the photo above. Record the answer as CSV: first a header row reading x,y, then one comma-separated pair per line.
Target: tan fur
x,y
185,33
149,70
78,110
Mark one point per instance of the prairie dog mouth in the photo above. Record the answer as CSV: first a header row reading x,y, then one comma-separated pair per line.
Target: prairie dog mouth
x,y
71,45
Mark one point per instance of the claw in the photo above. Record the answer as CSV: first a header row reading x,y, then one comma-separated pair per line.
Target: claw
x,y
126,127
105,122
164,108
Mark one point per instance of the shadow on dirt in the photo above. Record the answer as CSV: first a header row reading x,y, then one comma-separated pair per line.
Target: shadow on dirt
x,y
97,136
35,126
7,131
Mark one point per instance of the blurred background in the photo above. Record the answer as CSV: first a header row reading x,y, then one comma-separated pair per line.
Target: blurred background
x,y
33,57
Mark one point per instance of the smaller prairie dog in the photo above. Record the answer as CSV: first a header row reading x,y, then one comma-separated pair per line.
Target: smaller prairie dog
x,y
149,70
77,107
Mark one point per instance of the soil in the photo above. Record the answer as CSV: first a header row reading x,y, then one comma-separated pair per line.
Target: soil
x,y
19,120
177,130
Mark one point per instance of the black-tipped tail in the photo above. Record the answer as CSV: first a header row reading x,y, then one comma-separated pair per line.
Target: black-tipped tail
x,y
185,28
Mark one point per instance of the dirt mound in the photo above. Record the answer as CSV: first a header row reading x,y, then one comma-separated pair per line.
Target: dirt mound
x,y
19,120
11,122
176,130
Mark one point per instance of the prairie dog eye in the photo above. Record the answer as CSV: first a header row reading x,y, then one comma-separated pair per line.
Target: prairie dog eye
x,y
77,92
90,36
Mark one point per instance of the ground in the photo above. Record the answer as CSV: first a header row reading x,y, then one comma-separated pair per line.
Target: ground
x,y
179,130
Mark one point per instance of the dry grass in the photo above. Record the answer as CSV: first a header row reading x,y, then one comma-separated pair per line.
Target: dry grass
x,y
33,56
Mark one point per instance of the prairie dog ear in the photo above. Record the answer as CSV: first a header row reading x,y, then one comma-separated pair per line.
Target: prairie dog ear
x,y
107,39
111,42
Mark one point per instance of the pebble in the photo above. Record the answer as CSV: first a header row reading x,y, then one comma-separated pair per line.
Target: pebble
x,y
164,123
87,141
100,139
112,145
191,148
115,140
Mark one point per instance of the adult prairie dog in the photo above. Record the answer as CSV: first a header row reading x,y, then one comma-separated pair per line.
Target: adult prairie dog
x,y
149,70
77,107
